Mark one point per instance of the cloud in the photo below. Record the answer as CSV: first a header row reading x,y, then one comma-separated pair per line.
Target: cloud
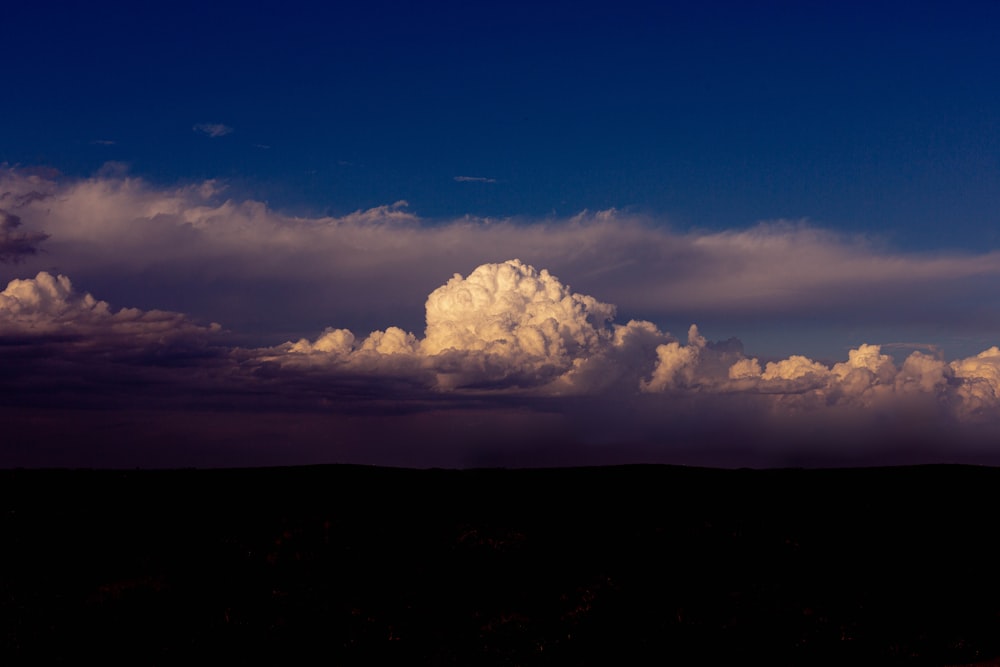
x,y
275,275
113,169
213,130
104,142
676,364
474,179
15,244
46,305
504,325
61,350
514,345
509,325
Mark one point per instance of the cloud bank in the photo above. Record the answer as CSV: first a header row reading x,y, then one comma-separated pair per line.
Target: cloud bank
x,y
509,340
267,273
501,351
509,325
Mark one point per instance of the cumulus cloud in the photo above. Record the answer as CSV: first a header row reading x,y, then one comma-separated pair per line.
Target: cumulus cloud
x,y
213,130
509,325
48,305
474,179
968,389
506,338
61,350
505,324
514,310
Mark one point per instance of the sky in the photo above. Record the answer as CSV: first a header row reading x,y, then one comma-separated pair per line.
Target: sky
x,y
453,234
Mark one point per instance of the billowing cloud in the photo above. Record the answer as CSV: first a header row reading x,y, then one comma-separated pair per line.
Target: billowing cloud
x,y
213,130
509,325
62,350
503,325
47,305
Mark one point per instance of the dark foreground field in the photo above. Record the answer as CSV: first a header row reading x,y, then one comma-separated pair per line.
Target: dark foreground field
x,y
589,566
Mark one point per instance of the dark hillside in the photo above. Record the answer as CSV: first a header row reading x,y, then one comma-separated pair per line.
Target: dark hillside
x,y
587,566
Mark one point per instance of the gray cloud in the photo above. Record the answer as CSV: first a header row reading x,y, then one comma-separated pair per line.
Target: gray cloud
x,y
15,244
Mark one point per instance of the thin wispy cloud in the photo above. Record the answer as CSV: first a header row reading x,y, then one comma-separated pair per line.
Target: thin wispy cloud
x,y
104,142
474,179
213,130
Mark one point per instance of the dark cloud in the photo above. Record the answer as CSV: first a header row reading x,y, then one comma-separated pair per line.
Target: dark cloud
x,y
15,245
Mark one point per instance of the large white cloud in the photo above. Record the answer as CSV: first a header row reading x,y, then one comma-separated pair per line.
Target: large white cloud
x,y
503,324
510,325
513,310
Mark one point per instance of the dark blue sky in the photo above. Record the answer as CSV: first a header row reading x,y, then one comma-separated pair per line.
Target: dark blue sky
x,y
878,118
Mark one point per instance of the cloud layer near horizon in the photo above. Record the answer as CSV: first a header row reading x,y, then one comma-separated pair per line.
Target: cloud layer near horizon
x,y
511,329
500,337
262,272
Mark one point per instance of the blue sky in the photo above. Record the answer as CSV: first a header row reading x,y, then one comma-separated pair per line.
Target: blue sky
x,y
805,179
878,118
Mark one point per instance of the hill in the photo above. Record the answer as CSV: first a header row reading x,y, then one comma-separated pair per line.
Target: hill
x,y
585,566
